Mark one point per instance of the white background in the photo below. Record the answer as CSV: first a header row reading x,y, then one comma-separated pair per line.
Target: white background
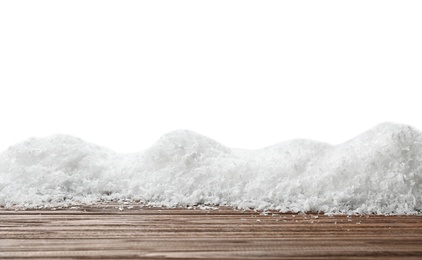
x,y
245,73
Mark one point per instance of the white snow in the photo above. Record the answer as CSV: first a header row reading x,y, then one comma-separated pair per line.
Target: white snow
x,y
378,172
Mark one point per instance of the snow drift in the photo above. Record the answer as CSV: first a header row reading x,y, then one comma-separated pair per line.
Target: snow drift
x,y
377,172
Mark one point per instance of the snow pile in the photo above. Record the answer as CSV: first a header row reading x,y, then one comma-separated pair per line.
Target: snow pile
x,y
376,172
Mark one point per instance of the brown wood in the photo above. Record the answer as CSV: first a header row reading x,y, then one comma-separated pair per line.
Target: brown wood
x,y
122,231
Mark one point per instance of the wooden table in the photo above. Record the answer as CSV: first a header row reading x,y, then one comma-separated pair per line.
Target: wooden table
x,y
127,231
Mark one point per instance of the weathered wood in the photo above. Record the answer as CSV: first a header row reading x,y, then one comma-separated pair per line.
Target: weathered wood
x,y
133,231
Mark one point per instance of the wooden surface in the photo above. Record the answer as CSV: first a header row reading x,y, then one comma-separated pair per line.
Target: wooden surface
x,y
119,231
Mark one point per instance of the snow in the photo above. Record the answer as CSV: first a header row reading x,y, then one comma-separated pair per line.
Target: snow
x,y
377,172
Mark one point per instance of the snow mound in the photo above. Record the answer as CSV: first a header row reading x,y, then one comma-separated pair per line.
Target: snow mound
x,y
378,172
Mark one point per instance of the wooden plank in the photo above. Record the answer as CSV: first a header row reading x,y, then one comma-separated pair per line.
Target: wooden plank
x,y
128,231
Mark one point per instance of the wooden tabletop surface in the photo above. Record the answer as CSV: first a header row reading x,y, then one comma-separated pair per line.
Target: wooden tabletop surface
x,y
130,231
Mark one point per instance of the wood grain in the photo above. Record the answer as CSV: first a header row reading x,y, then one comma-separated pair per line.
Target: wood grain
x,y
128,231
